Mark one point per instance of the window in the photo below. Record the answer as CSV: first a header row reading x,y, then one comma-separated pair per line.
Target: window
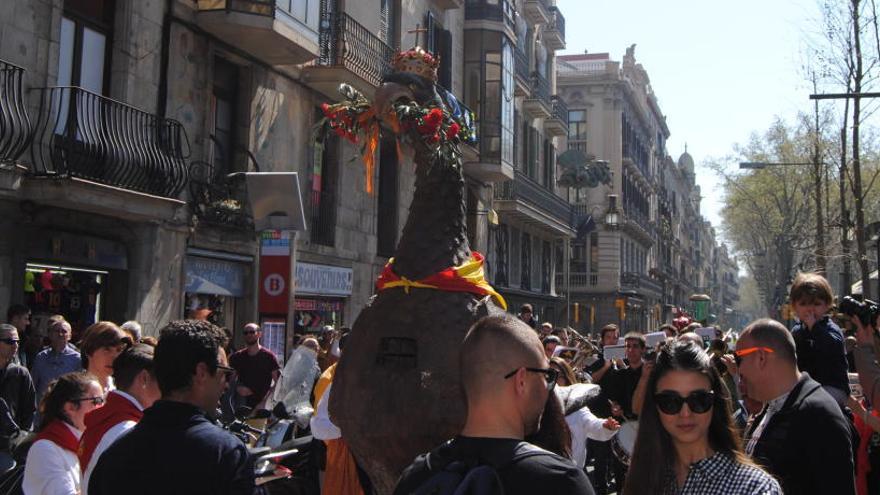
x,y
549,165
386,228
84,53
526,262
489,92
387,22
322,203
502,239
577,129
594,252
223,103
439,42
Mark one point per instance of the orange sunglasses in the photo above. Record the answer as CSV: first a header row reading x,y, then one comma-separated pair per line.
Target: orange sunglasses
x,y
738,355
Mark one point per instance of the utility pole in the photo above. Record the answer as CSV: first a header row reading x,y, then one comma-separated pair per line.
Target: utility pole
x,y
817,181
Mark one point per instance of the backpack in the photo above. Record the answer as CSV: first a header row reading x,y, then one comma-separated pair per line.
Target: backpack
x,y
471,476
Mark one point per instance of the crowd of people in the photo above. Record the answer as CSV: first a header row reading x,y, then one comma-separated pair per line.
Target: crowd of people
x,y
763,409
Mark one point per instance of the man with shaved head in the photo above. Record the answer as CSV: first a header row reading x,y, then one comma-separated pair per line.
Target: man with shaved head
x,y
801,437
507,380
257,367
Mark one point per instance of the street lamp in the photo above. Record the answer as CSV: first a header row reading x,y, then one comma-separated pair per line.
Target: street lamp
x,y
612,217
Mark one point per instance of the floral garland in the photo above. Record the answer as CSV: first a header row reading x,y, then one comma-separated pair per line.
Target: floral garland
x,y
355,120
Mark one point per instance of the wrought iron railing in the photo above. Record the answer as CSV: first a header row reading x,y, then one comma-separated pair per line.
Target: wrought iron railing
x,y
540,88
15,124
560,109
344,42
576,280
558,21
218,199
258,7
521,62
85,135
323,217
522,188
491,10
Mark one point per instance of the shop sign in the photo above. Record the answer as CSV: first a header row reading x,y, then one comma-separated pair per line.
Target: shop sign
x,y
74,249
323,279
214,276
274,272
314,305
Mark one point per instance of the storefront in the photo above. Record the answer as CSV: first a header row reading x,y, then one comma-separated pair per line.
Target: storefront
x,y
82,278
215,286
321,294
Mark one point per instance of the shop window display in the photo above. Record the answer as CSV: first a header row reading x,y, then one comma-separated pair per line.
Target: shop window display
x,y
71,292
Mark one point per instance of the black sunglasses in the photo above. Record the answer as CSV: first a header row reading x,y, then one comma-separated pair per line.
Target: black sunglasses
x,y
225,369
698,401
550,375
10,341
96,401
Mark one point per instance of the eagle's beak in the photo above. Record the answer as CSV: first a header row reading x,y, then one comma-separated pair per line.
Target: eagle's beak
x,y
389,93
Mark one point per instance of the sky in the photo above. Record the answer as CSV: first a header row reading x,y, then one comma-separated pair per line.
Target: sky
x,y
721,70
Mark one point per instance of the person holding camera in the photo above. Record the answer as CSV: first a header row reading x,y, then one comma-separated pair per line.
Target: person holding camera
x,y
819,341
866,320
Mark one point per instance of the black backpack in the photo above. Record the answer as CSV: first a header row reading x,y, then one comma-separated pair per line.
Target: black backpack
x,y
471,476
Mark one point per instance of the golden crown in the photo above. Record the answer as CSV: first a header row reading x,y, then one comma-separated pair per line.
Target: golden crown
x,y
417,61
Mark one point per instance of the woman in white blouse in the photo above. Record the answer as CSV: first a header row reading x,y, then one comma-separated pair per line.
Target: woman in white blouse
x,y
52,467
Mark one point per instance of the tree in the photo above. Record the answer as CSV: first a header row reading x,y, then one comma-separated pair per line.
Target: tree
x,y
768,213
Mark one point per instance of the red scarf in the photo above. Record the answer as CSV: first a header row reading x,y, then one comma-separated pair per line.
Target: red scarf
x,y
98,422
59,433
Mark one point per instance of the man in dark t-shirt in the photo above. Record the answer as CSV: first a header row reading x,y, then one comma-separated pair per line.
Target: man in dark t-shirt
x,y
507,380
257,367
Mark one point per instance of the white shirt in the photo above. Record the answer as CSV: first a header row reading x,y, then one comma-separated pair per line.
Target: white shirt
x,y
583,425
51,470
320,424
773,407
107,440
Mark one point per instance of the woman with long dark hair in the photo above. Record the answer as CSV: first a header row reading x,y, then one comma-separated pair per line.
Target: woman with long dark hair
x,y
52,466
687,443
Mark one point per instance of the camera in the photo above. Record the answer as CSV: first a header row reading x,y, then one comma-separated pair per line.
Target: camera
x,y
866,311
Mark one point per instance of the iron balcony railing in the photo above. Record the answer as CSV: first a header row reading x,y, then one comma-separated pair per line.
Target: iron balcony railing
x,y
491,10
521,62
540,87
639,281
15,124
576,280
216,198
558,21
85,135
522,188
346,43
560,109
257,7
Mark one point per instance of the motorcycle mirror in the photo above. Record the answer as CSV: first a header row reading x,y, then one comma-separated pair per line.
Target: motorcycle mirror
x,y
280,411
242,412
262,414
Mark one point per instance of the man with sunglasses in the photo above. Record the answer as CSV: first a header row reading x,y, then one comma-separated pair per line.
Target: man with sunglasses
x,y
801,436
16,388
507,380
257,367
176,448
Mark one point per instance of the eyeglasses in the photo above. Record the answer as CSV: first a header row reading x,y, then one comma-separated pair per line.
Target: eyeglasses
x,y
738,355
225,369
96,401
10,341
698,401
550,375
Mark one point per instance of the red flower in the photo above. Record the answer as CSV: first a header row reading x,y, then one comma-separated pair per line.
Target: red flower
x,y
340,131
453,130
425,129
434,139
434,117
326,109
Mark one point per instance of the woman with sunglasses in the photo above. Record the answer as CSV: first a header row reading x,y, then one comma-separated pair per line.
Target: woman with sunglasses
x,y
686,442
52,467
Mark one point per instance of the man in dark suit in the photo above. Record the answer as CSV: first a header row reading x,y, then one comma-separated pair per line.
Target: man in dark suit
x,y
801,436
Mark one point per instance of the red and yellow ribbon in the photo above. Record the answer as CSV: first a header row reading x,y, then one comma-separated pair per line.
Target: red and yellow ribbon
x,y
468,277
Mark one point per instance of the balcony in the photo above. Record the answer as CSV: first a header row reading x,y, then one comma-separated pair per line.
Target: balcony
x,y
491,14
350,53
523,80
537,11
557,124
537,105
554,32
83,135
15,124
641,283
534,204
577,281
217,199
280,32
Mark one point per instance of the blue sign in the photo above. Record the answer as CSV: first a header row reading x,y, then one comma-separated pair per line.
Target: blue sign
x,y
212,276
